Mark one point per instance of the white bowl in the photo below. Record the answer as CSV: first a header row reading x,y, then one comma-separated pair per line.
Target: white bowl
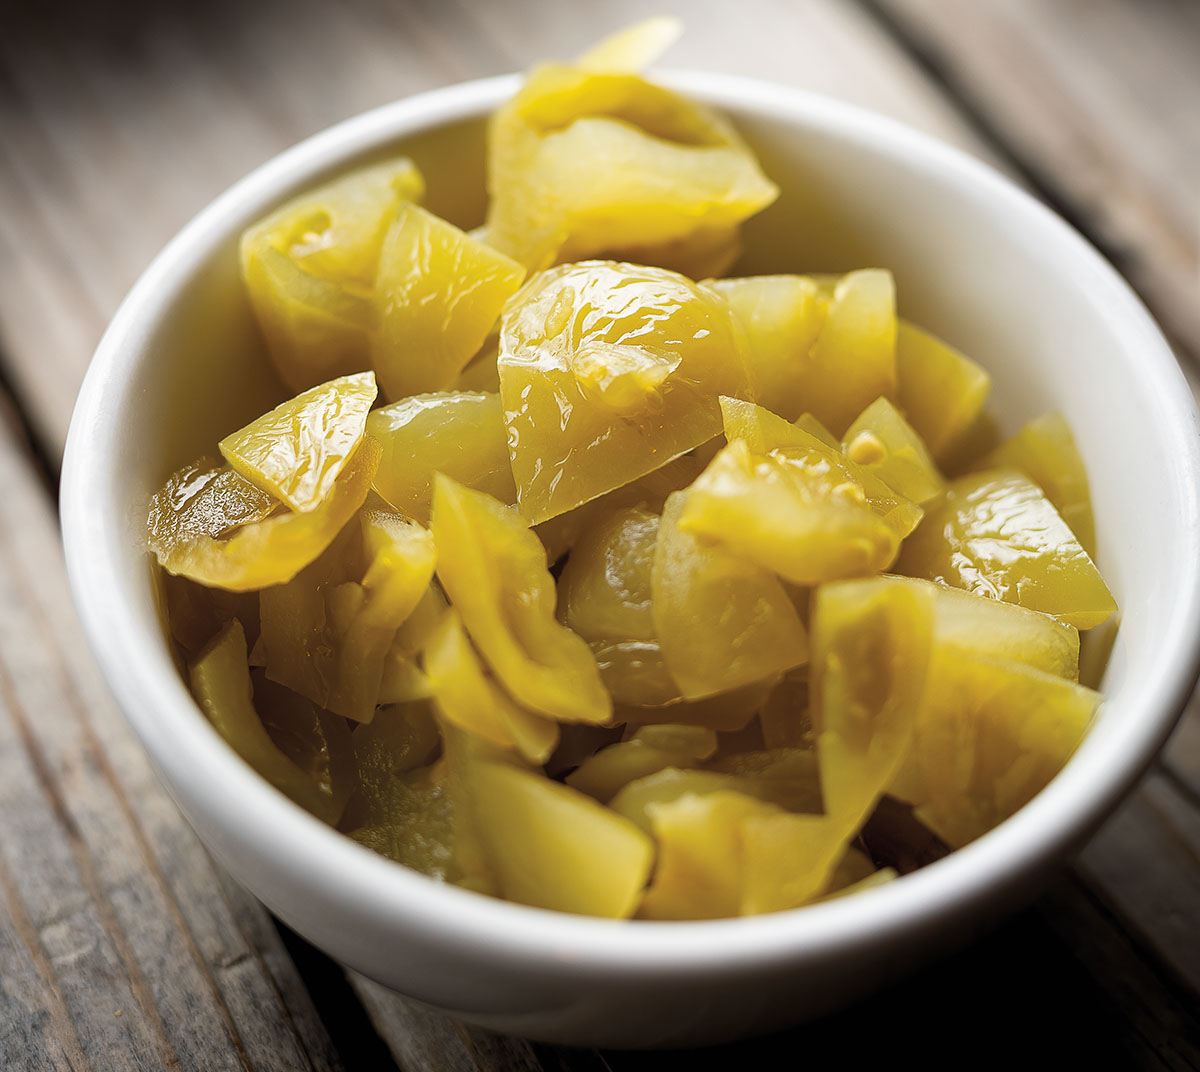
x,y
976,260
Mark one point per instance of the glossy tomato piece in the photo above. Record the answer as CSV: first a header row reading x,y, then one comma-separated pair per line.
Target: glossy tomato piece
x,y
607,372
493,568
995,533
438,293
458,433
1045,451
883,442
296,451
722,621
584,162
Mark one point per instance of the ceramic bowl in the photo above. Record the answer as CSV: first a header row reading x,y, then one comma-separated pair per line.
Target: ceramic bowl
x,y
975,259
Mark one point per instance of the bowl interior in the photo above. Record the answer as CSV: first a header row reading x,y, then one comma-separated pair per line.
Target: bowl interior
x,y
975,261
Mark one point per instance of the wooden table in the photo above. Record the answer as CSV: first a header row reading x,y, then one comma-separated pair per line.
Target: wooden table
x,y
121,944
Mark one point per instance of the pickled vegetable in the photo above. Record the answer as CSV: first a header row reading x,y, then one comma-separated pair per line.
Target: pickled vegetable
x,y
883,442
990,736
466,697
939,391
622,361
438,291
253,553
1044,450
853,359
310,267
494,571
296,451
458,433
791,514
554,847
220,681
996,533
793,444
722,622
586,160
327,633
782,316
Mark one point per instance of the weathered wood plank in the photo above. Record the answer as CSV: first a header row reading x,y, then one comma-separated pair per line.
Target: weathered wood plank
x,y
1097,101
123,909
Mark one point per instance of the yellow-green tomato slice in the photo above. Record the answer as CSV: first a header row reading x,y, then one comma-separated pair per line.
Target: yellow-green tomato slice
x,y
296,451
458,433
274,550
553,847
220,680
995,533
493,568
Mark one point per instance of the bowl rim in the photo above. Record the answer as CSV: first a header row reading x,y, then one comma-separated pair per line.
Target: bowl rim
x,y
188,752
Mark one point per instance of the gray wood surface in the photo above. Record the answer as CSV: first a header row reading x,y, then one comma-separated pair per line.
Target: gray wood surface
x,y
121,943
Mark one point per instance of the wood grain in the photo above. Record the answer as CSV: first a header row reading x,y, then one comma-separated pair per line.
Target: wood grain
x,y
1097,100
121,945
109,899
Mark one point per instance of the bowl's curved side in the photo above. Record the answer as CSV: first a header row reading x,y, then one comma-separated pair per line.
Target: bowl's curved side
x,y
584,980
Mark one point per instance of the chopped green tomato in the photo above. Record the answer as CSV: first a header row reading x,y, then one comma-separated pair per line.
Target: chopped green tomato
x,y
983,626
336,231
220,680
468,698
259,553
316,740
458,433
883,442
725,712
438,292
314,328
782,315
995,533
625,363
553,847
990,736
418,824
853,359
787,778
939,391
296,451
722,622
649,750
788,513
765,433
870,655
583,162
494,571
604,589
310,266
700,872
204,500
327,634
1045,451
